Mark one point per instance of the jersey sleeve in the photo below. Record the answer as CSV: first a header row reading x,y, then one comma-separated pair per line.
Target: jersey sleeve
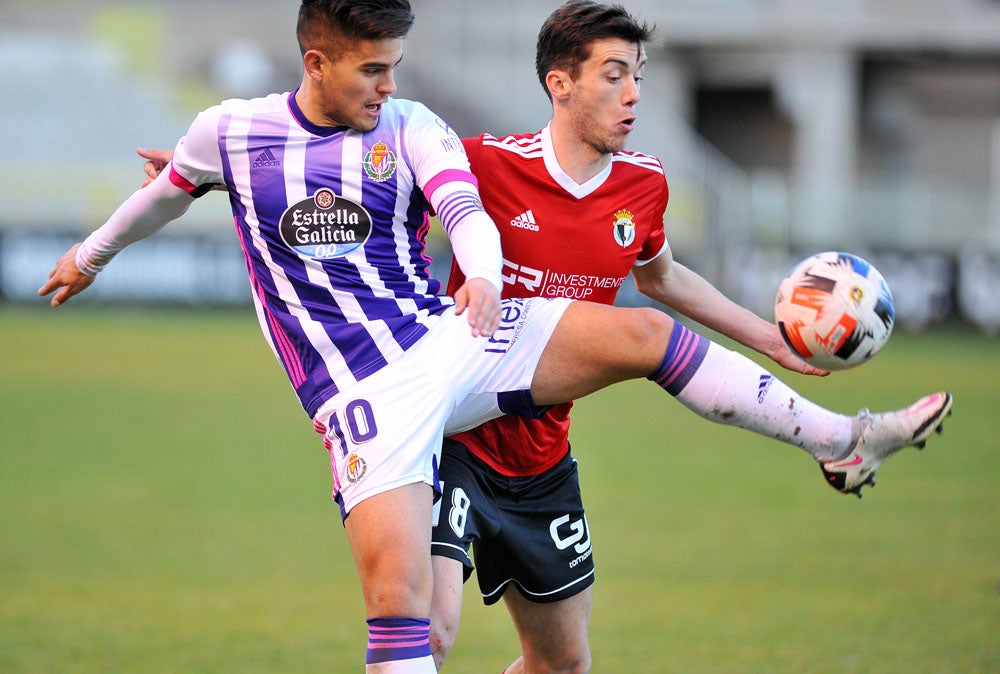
x,y
455,277
141,215
196,166
436,152
441,169
656,242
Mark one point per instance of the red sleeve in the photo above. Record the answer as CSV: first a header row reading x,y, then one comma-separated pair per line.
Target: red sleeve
x,y
654,243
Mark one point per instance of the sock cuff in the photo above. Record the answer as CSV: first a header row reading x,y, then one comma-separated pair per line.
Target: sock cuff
x,y
685,352
401,638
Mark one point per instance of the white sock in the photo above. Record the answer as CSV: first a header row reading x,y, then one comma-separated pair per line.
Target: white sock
x,y
424,665
731,389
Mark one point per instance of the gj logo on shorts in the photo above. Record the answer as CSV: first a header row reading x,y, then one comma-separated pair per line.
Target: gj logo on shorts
x,y
578,535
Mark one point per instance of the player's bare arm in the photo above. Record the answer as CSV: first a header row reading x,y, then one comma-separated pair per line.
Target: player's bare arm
x,y
670,282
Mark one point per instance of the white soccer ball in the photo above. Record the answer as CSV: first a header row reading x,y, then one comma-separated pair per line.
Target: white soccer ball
x,y
834,310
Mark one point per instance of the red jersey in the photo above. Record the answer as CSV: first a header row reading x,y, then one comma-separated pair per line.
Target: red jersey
x,y
559,239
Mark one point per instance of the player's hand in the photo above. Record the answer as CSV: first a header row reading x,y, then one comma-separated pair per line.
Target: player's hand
x,y
156,161
784,357
67,278
482,300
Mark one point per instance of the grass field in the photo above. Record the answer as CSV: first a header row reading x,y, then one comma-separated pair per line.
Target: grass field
x,y
164,507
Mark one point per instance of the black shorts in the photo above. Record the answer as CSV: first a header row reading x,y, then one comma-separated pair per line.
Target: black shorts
x,y
529,531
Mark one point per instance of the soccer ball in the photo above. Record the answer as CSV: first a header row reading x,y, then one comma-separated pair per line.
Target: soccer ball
x,y
834,310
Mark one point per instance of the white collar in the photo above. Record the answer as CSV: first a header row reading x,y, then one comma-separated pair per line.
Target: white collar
x,y
578,190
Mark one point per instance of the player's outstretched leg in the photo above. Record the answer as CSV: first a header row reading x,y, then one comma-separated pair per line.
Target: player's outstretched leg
x,y
848,449
883,435
594,346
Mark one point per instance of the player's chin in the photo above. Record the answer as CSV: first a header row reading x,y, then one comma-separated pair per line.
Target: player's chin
x,y
368,119
615,143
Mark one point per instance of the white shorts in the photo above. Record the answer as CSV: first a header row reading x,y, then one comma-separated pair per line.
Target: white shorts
x,y
386,431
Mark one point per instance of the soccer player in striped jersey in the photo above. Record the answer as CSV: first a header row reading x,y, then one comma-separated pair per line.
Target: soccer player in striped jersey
x,y
331,187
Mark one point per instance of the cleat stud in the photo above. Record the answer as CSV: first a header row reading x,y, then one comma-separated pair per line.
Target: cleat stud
x,y
921,444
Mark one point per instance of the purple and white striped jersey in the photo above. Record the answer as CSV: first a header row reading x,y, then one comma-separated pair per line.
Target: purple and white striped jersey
x,y
332,222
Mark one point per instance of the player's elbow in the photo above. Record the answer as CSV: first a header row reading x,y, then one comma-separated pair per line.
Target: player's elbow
x,y
655,286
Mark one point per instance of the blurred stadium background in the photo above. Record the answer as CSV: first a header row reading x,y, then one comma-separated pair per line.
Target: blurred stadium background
x,y
786,127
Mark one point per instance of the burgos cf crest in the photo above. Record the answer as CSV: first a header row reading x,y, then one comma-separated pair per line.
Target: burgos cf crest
x,y
624,228
380,162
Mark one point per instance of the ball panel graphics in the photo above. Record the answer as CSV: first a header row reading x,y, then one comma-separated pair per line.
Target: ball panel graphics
x,y
834,310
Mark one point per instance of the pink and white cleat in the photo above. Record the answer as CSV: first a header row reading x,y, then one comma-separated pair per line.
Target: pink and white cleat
x,y
883,435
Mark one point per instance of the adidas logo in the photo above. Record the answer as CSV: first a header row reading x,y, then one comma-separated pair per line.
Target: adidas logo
x,y
763,387
265,158
525,221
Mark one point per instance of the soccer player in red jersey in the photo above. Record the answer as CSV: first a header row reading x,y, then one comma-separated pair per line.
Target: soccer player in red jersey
x,y
576,213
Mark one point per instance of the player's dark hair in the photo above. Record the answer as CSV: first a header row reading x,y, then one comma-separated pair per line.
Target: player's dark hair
x,y
324,25
565,38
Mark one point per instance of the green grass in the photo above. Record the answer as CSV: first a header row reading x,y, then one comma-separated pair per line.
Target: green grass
x,y
164,507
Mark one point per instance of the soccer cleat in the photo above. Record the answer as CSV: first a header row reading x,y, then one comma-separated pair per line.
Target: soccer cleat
x,y
882,435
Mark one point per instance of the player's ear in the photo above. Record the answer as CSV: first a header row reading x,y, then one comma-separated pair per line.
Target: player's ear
x,y
313,61
559,84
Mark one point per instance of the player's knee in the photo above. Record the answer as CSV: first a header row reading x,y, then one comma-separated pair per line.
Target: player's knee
x,y
443,633
576,663
648,331
563,662
654,322
398,595
567,655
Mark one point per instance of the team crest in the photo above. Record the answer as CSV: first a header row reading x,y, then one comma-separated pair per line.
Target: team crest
x,y
356,468
624,228
380,162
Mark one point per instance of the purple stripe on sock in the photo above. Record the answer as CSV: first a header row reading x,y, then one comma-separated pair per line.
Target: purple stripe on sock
x,y
685,352
391,639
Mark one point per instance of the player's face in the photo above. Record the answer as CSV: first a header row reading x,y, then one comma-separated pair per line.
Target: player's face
x,y
605,94
355,86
